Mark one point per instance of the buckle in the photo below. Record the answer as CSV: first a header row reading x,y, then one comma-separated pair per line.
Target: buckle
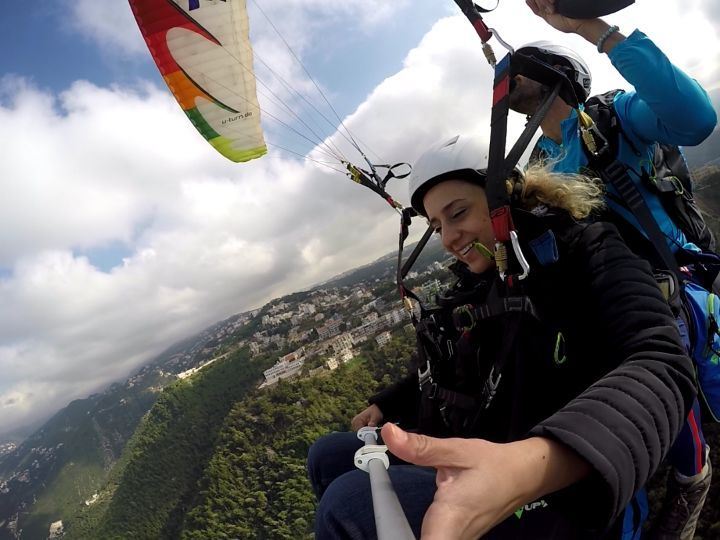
x,y
424,376
464,318
490,387
432,394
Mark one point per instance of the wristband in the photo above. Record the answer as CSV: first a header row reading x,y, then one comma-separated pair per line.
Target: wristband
x,y
601,42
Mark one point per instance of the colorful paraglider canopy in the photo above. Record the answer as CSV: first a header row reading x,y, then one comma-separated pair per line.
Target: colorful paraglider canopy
x,y
202,49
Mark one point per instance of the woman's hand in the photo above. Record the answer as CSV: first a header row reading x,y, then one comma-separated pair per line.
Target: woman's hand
x,y
371,416
480,483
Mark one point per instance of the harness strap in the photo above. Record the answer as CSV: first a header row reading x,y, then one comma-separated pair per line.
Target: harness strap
x,y
455,399
467,316
616,175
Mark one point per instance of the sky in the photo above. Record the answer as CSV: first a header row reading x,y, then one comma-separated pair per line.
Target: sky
x,y
122,231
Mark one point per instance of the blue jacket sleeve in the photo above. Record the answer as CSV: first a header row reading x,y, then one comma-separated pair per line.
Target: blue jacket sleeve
x,y
667,106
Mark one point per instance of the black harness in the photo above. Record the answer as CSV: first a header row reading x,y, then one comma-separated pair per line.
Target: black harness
x,y
476,311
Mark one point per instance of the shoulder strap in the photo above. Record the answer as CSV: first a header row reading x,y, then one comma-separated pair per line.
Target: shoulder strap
x,y
602,111
614,173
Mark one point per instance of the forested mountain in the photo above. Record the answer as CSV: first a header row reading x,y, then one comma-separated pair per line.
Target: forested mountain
x,y
194,471
68,459
154,483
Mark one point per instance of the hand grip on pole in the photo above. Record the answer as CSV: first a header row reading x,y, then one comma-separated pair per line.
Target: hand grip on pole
x,y
369,452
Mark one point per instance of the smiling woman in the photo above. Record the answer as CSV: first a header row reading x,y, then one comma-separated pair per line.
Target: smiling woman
x,y
531,387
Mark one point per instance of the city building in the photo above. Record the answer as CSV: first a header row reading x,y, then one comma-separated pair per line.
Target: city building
x,y
383,338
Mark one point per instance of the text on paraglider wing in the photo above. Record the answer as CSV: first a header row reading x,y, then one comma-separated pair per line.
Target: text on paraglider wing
x,y
236,118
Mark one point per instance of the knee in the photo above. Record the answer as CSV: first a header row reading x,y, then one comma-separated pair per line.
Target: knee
x,y
345,510
323,449
329,457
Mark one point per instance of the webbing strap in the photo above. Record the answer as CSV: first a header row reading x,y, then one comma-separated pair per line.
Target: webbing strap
x,y
472,12
455,399
496,172
467,316
616,175
528,133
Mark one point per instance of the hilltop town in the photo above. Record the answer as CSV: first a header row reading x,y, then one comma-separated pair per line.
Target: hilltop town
x,y
321,329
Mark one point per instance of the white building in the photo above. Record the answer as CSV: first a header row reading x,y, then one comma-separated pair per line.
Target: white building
x,y
346,355
56,530
383,339
332,363
329,329
342,342
287,366
306,309
396,316
279,307
370,317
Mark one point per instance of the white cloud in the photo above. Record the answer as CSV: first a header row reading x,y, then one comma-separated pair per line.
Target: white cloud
x,y
209,238
110,23
107,23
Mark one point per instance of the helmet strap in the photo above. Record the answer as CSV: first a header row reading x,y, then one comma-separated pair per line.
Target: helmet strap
x,y
484,250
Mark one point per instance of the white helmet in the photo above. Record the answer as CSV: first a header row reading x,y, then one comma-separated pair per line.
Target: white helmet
x,y
461,157
553,54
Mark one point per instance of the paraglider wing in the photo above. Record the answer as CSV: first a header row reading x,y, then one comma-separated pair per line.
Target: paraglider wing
x,y
202,49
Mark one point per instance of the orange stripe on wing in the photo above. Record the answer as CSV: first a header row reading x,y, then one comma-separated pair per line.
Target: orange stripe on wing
x,y
184,90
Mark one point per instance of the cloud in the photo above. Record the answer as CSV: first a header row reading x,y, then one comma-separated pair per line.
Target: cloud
x,y
107,23
110,23
94,166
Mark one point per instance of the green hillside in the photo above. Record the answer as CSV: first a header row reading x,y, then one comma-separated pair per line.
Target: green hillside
x,y
154,484
67,460
256,485
206,463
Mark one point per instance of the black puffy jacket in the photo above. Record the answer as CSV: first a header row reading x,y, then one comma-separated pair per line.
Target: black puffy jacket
x,y
605,373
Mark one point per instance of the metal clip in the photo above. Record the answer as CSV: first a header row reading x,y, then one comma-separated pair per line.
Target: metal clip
x,y
491,386
520,256
450,348
502,42
594,141
501,259
463,318
424,376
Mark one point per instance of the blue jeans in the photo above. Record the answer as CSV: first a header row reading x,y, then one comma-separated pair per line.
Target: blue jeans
x,y
345,510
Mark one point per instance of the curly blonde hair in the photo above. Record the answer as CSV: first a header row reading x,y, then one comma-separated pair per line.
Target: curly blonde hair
x,y
577,194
